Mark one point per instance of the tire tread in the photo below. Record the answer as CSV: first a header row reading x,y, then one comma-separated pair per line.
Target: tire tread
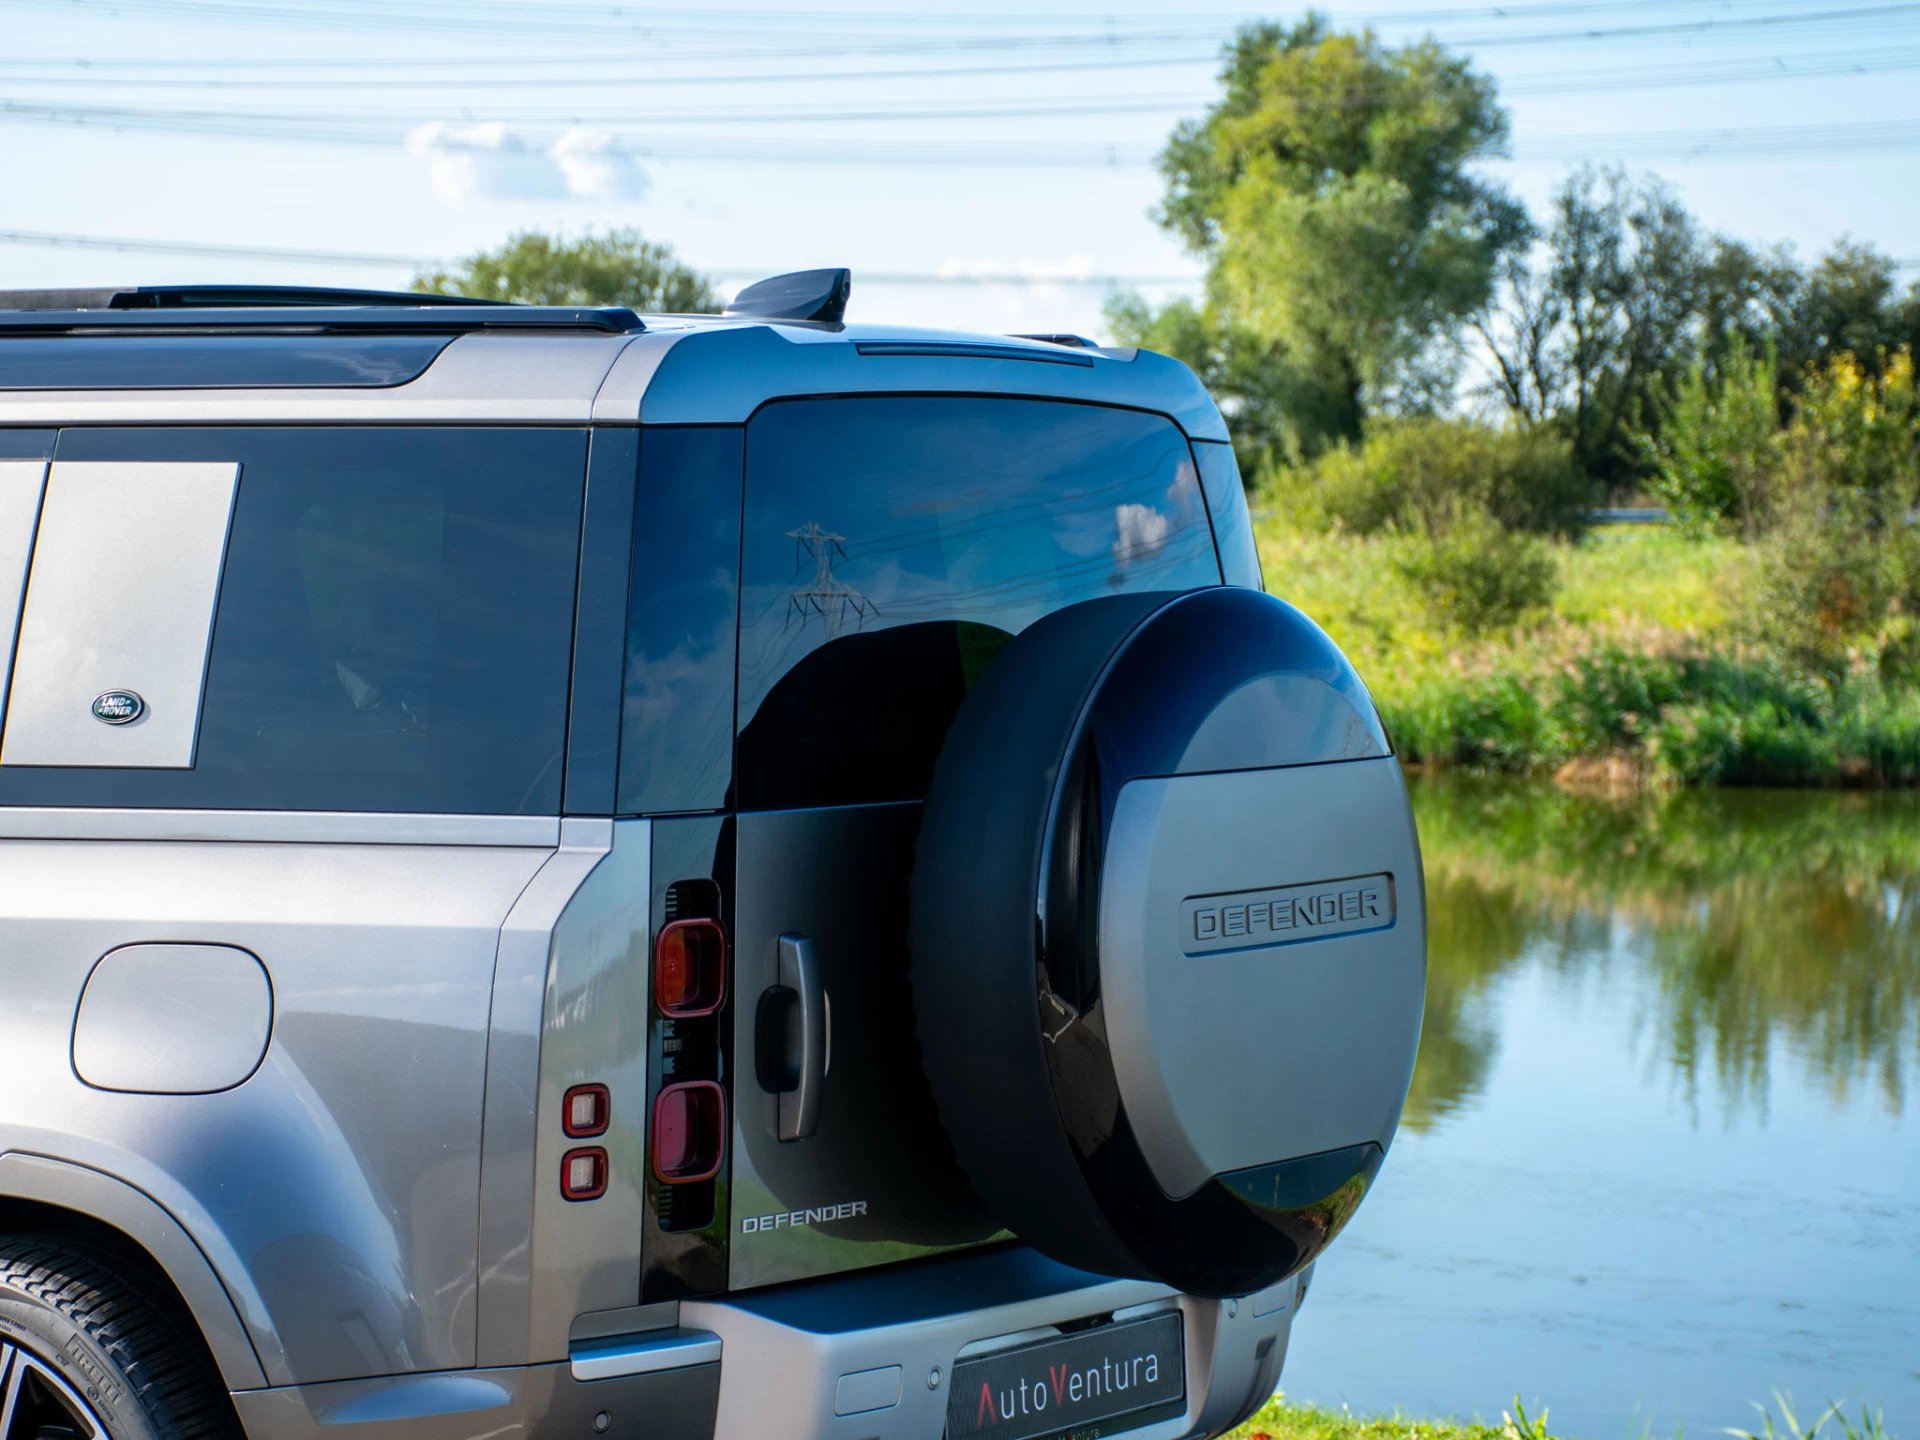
x,y
171,1378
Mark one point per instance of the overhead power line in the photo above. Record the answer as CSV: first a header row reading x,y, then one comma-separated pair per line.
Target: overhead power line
x,y
379,260
1585,80
1760,142
724,19
364,17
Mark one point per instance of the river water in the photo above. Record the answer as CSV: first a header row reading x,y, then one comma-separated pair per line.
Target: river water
x,y
1662,1155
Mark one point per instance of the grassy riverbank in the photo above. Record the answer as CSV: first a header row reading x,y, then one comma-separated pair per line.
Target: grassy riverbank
x,y
1638,672
1280,1421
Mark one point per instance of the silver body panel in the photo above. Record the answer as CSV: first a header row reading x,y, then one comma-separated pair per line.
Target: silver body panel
x,y
126,567
173,1020
334,1192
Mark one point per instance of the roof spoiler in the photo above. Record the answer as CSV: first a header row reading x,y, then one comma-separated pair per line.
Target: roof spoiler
x,y
804,295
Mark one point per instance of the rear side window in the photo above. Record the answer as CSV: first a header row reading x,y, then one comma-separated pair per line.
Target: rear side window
x,y
391,631
892,546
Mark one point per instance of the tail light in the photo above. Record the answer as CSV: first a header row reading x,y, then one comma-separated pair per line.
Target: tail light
x,y
689,1132
583,1173
586,1111
690,968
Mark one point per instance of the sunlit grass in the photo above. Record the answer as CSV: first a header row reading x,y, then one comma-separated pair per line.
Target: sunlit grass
x,y
1639,671
1280,1421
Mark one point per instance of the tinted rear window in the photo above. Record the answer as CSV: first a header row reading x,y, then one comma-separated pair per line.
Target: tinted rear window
x,y
893,545
213,362
393,630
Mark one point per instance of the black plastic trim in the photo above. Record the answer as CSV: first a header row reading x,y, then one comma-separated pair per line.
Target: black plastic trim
x,y
600,622
962,350
27,444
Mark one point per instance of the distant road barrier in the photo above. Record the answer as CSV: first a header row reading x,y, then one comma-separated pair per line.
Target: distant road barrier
x,y
1609,515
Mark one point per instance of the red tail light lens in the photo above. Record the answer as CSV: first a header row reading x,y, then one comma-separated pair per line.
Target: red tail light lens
x,y
689,1132
583,1173
690,968
586,1111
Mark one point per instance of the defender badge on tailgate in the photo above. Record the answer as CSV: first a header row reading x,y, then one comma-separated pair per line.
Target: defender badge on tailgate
x,y
1285,915
118,707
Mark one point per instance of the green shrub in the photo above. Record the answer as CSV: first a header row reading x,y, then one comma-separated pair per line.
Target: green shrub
x,y
1422,474
1838,584
1714,452
1486,723
1474,576
1839,579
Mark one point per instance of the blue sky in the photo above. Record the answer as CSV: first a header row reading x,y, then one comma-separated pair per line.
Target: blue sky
x,y
427,128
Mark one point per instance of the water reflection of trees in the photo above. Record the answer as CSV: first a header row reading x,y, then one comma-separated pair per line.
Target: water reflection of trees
x,y
1766,919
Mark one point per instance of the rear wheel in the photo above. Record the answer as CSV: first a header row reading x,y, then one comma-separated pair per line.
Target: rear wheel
x,y
89,1351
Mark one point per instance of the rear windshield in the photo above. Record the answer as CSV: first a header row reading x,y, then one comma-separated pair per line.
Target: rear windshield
x,y
893,545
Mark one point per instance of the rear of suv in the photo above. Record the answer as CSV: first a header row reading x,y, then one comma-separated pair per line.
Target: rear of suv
x,y
571,875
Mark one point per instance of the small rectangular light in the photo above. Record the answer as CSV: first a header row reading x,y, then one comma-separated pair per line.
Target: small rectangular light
x,y
690,968
689,1132
586,1111
583,1173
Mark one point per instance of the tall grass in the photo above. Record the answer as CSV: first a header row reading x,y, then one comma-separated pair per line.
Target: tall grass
x,y
1637,672
1278,1420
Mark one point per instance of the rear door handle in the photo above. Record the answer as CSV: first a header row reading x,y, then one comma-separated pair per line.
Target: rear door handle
x,y
795,1038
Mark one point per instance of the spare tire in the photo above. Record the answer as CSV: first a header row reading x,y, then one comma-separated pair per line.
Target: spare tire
x,y
1168,938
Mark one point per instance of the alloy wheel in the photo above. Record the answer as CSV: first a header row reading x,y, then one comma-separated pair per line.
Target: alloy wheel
x,y
36,1404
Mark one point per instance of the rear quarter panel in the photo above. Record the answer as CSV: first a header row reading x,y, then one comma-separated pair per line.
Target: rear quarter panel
x,y
335,1191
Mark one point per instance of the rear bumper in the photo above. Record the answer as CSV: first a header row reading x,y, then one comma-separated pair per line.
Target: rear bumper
x,y
864,1357
817,1362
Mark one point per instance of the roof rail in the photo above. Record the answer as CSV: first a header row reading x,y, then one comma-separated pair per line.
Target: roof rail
x,y
804,295
296,309
219,297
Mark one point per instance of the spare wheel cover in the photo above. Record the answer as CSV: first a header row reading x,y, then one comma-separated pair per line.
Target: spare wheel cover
x,y
1169,938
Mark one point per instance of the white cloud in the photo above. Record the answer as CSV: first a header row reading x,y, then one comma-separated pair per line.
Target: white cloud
x,y
596,167
1142,531
490,162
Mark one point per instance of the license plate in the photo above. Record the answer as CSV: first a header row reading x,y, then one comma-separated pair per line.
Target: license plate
x,y
1096,1383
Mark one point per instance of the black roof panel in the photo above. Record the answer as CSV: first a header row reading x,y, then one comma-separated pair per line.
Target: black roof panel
x,y
214,361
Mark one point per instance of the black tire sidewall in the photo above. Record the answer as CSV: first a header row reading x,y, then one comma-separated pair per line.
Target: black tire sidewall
x,y
56,1341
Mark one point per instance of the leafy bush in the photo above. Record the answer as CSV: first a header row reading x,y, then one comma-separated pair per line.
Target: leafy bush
x,y
1494,723
1475,576
1714,451
1855,431
1839,579
1423,474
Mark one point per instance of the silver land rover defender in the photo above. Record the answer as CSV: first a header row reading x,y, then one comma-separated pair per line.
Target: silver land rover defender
x,y
565,875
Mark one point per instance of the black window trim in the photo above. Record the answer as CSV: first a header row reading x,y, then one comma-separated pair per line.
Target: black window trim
x,y
100,776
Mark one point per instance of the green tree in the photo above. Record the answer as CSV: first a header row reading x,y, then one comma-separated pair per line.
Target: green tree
x,y
1585,335
1839,582
1714,444
617,268
1276,415
1332,192
1852,305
